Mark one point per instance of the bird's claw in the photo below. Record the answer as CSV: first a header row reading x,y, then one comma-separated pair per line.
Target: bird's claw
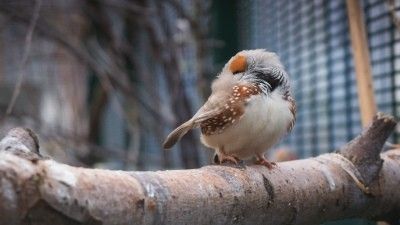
x,y
221,158
264,162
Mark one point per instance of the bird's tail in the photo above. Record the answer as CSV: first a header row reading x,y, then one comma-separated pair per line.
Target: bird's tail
x,y
177,134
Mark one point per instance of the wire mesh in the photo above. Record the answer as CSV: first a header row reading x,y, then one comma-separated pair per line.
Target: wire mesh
x,y
312,39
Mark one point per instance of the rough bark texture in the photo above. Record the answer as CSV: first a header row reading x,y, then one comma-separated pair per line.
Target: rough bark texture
x,y
329,187
364,151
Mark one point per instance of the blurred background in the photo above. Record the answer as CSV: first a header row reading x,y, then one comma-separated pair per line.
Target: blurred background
x,y
104,81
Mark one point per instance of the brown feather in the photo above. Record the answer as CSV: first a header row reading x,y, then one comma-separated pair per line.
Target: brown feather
x,y
232,111
177,134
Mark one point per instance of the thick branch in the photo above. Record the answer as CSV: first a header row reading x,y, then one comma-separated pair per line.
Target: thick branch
x,y
364,151
307,191
22,142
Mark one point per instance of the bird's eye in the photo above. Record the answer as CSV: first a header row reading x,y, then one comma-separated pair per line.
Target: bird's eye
x,y
273,79
273,82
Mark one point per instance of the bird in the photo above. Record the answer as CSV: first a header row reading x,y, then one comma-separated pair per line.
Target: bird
x,y
250,109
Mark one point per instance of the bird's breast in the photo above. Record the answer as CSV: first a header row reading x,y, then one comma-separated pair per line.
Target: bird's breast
x,y
265,119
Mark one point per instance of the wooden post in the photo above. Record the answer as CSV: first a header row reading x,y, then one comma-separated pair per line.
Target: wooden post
x,y
361,61
359,43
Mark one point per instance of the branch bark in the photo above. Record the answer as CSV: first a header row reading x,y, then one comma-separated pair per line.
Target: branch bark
x,y
309,191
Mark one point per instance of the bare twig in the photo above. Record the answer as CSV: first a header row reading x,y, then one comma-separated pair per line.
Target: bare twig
x,y
127,5
178,6
113,53
28,42
46,30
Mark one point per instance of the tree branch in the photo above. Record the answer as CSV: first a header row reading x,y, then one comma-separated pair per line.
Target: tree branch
x,y
27,47
364,151
47,31
308,191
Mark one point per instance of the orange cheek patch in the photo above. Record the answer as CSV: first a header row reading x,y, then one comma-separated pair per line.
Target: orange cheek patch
x,y
238,64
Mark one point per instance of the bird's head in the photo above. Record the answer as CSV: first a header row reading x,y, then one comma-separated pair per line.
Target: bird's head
x,y
258,67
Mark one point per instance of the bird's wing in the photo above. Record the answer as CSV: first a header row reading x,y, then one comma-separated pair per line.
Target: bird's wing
x,y
220,111
231,111
211,108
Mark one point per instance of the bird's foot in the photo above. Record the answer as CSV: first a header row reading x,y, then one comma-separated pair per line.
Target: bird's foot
x,y
222,158
261,160
269,165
